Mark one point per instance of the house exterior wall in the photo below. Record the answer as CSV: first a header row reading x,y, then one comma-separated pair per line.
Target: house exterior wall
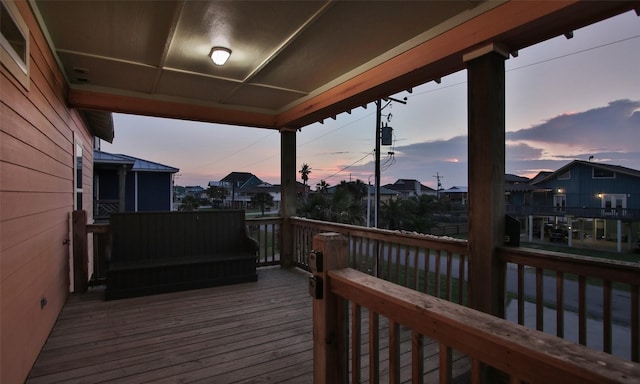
x,y
154,191
583,190
37,193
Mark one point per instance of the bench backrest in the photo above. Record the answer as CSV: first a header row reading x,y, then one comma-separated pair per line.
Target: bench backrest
x,y
164,235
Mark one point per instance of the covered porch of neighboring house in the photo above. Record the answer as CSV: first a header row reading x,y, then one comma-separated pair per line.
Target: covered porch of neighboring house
x,y
123,183
378,297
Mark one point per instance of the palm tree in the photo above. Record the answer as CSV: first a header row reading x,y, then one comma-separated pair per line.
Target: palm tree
x,y
322,187
305,171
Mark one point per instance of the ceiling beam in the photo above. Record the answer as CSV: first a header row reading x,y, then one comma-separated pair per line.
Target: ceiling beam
x,y
92,100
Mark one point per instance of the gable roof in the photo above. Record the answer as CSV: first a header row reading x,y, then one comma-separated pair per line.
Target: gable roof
x,y
457,189
408,185
137,165
608,167
239,177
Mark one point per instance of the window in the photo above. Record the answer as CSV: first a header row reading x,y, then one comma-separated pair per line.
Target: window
x,y
14,42
78,183
565,176
599,173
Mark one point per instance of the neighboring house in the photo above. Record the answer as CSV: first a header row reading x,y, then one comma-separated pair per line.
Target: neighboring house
x,y
125,183
456,194
273,190
592,189
517,191
587,198
410,187
386,194
237,185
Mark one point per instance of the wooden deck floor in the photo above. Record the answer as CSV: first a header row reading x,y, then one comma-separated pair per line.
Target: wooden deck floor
x,y
247,333
254,332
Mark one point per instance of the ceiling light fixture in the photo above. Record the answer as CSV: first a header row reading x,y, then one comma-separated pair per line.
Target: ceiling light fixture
x,y
219,55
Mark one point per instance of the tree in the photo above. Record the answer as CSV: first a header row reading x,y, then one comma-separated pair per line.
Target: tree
x,y
216,195
262,200
322,187
189,203
305,171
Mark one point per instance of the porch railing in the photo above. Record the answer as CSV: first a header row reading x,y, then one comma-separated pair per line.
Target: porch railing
x,y
497,350
586,300
267,232
429,264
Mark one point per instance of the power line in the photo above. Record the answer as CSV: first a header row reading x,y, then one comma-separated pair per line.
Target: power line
x,y
349,166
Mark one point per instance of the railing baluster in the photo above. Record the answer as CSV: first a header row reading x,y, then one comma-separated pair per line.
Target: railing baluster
x,y
416,269
417,358
446,370
427,269
635,322
356,342
461,279
560,304
407,252
447,293
606,316
436,292
521,294
394,352
397,280
374,348
539,300
582,310
389,252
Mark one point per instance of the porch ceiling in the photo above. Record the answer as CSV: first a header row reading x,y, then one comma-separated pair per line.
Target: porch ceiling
x,y
293,62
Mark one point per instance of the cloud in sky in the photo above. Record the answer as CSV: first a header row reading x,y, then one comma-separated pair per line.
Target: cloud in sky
x,y
611,134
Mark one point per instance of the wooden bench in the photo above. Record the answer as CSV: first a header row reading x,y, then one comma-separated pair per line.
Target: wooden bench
x,y
158,252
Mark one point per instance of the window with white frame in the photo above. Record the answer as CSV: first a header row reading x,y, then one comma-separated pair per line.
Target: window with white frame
x,y
14,42
78,176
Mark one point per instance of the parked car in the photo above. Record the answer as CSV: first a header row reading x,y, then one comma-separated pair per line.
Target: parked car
x,y
638,246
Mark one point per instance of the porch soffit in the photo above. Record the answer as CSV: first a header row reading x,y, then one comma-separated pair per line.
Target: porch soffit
x,y
293,63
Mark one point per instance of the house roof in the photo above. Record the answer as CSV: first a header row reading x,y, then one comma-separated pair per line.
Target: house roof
x,y
408,185
513,179
151,57
457,189
608,167
239,177
136,164
371,190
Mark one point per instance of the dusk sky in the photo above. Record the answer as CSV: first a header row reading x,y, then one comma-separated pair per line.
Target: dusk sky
x,y
566,99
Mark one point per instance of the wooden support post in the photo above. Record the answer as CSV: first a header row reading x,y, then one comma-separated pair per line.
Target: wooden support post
x,y
330,340
80,251
486,148
288,188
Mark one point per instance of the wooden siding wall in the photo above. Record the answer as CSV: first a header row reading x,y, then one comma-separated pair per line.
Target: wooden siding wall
x,y
37,190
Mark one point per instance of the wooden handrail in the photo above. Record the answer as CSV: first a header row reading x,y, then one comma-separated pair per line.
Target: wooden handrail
x,y
525,354
613,270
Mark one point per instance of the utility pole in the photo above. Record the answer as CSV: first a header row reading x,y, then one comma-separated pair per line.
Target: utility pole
x,y
438,185
378,137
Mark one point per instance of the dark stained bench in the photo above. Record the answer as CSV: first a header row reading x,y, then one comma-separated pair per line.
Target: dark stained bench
x,y
158,252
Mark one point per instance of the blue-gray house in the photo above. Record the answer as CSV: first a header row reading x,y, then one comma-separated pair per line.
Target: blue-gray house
x,y
588,200
127,184
590,189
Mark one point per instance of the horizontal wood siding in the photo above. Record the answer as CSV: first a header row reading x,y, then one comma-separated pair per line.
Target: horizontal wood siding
x,y
37,134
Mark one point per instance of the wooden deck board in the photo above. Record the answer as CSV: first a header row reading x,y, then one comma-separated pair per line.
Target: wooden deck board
x,y
254,332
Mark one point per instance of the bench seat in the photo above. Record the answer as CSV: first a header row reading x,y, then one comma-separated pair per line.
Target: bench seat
x,y
164,252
